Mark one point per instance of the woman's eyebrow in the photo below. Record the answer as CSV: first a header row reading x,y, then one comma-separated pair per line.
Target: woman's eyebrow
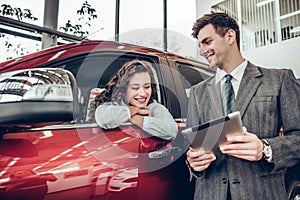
x,y
137,84
134,84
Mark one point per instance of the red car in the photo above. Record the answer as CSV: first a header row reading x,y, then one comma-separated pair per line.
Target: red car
x,y
51,148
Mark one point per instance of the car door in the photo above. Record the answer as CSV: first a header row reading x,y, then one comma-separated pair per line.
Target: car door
x,y
180,75
77,159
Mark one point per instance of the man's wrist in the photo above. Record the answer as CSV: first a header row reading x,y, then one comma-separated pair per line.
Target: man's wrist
x,y
192,172
267,151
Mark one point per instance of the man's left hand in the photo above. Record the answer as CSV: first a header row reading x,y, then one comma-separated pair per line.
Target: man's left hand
x,y
246,146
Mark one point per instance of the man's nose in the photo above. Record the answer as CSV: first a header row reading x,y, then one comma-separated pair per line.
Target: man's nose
x,y
202,51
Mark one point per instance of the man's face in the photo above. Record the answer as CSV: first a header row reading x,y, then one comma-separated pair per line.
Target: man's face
x,y
212,46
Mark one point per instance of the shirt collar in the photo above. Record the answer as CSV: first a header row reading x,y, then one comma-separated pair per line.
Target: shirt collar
x,y
237,73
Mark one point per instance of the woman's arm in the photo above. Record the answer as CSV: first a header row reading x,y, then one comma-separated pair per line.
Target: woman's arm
x,y
111,115
155,120
161,123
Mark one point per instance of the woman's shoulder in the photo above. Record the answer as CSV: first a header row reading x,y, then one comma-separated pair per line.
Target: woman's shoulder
x,y
155,104
109,103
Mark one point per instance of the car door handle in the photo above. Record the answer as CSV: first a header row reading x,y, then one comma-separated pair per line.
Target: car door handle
x,y
164,153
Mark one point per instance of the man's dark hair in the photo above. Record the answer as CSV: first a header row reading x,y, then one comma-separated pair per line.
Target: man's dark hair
x,y
222,22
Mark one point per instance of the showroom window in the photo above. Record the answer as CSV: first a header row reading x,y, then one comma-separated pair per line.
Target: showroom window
x,y
263,22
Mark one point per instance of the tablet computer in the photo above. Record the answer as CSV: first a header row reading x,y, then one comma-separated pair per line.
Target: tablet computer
x,y
211,134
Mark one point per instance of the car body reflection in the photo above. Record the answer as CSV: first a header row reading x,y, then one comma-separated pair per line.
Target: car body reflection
x,y
123,180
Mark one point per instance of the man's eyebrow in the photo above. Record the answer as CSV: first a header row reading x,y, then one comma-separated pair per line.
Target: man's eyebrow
x,y
204,40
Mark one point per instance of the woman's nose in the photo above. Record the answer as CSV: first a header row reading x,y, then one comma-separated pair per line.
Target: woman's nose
x,y
142,91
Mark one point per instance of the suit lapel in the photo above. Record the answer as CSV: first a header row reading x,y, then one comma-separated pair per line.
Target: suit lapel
x,y
215,99
248,87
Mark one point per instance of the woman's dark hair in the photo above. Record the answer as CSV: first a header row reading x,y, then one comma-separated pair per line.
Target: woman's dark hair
x,y
222,22
115,89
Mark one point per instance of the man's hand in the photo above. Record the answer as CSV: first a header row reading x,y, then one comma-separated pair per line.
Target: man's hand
x,y
199,160
247,146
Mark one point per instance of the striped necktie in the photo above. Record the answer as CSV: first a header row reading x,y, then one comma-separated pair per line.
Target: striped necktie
x,y
228,95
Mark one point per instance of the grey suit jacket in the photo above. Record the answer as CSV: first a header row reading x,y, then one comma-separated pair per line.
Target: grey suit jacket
x,y
267,100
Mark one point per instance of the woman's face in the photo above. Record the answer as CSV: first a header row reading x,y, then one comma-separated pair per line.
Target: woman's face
x,y
138,90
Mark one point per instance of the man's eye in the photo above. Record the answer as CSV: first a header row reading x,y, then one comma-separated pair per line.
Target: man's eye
x,y
208,42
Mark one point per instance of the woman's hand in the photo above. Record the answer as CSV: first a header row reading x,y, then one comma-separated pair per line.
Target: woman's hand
x,y
139,111
138,114
137,120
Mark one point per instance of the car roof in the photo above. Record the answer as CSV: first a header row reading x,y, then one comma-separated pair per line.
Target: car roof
x,y
70,49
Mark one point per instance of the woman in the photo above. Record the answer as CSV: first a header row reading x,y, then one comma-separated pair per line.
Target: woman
x,y
130,97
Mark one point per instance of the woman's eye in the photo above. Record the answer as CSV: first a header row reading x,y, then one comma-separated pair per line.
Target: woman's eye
x,y
147,87
134,88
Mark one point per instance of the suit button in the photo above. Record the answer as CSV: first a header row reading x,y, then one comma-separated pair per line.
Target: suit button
x,y
224,180
236,181
228,156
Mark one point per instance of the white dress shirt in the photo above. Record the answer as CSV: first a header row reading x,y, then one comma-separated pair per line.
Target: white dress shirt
x,y
237,75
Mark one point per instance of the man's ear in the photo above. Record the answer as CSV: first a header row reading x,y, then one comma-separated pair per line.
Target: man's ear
x,y
231,36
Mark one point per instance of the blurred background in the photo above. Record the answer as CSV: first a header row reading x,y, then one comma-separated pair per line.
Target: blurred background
x,y
270,29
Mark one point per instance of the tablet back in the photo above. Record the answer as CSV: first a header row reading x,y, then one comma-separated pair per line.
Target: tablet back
x,y
213,133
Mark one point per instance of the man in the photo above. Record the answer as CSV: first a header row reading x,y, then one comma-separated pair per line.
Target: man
x,y
250,166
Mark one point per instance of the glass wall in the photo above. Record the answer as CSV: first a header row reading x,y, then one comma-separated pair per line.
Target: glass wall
x,y
263,22
15,46
141,22
102,27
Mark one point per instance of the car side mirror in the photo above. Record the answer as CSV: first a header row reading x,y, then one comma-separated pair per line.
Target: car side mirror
x,y
32,96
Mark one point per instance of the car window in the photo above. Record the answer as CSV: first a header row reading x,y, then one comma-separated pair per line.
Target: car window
x,y
192,75
93,71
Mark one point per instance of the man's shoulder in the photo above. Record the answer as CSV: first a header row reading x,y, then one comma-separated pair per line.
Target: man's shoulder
x,y
271,72
203,84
